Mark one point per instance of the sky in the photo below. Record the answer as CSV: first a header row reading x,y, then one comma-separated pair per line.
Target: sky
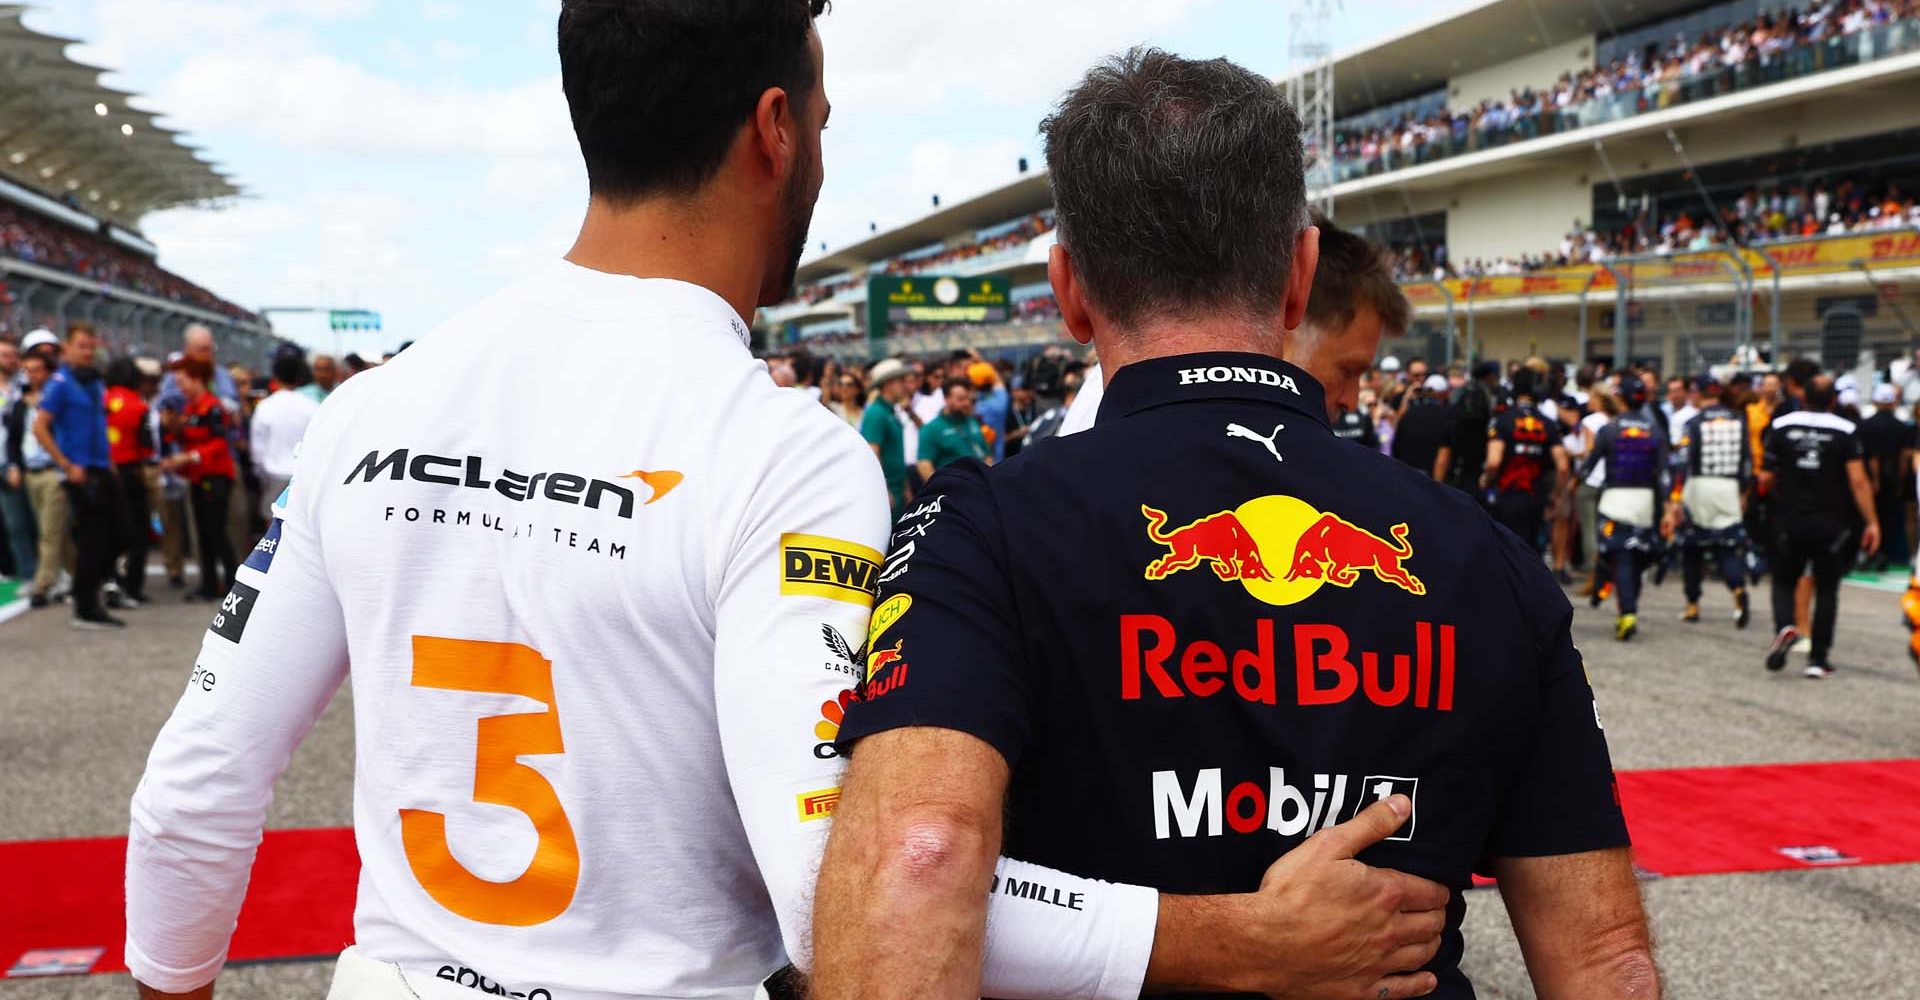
x,y
412,156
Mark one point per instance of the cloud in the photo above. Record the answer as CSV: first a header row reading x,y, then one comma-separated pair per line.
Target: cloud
x,y
897,55
439,11
319,103
904,191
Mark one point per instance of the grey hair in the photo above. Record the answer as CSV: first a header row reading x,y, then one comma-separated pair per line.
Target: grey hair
x,y
1178,185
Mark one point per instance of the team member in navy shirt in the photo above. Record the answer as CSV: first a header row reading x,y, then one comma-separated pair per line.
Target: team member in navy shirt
x,y
72,427
1179,644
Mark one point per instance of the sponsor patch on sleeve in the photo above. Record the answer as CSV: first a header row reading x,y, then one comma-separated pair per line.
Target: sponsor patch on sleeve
x,y
230,622
818,566
817,805
261,558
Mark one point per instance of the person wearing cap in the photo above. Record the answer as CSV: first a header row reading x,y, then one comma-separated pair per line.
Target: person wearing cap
x,y
1823,512
44,343
880,426
1425,428
991,404
1633,447
33,477
1707,509
72,426
1887,442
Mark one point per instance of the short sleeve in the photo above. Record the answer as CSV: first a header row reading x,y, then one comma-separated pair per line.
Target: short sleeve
x,y
943,648
54,399
1563,799
873,427
1850,446
929,444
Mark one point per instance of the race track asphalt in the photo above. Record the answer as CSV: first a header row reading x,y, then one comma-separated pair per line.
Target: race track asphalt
x,y
80,711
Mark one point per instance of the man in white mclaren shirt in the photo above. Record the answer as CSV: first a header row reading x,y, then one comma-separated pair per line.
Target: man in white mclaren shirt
x,y
600,644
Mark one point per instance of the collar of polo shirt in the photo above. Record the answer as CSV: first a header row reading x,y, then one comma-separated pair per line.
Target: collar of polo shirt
x,y
1214,375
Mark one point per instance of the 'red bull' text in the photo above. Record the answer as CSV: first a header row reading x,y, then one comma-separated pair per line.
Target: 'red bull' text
x,y
1327,670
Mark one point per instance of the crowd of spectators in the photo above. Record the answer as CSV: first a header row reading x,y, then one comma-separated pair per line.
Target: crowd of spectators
x,y
1854,205
1773,47
1023,232
39,240
184,454
1029,229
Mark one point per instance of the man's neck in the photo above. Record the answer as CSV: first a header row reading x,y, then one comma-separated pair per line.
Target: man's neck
x,y
1172,336
690,239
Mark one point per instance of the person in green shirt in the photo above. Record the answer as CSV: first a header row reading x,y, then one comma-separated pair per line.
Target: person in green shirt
x,y
880,425
954,434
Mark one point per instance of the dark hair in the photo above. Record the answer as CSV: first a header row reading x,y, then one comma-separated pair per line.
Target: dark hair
x,y
1800,371
122,372
1820,394
1177,185
659,88
947,390
291,370
1353,273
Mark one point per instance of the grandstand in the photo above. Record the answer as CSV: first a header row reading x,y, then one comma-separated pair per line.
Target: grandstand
x,y
1545,166
80,166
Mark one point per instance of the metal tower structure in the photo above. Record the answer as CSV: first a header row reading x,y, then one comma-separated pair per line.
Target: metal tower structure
x,y
1310,91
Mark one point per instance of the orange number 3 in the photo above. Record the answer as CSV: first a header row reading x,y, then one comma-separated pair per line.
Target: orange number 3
x,y
546,888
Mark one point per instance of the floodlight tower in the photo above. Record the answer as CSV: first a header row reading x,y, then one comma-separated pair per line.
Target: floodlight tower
x,y
1310,91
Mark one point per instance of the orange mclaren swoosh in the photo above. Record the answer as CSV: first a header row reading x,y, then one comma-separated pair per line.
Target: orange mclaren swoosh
x,y
662,482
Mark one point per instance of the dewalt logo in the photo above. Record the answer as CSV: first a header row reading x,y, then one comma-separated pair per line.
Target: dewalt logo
x,y
817,566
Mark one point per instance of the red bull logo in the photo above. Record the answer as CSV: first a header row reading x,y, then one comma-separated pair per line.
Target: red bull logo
x,y
1319,547
1338,551
1219,539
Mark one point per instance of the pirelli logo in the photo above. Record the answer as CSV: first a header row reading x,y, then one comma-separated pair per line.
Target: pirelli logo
x,y
817,566
817,805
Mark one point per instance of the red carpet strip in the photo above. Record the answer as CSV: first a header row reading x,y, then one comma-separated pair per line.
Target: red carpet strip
x,y
64,897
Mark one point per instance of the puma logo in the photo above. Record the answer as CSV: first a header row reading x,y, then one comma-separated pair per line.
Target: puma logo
x,y
1237,431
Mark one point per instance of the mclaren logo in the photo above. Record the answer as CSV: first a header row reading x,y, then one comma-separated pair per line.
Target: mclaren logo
x,y
471,472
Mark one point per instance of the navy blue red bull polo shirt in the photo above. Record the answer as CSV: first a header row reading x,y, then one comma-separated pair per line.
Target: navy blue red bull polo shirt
x,y
1207,628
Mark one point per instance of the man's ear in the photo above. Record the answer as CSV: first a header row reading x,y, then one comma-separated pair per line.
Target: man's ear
x,y
1068,293
772,138
1306,259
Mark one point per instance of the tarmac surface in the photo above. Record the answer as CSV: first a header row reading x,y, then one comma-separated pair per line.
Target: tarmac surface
x,y
80,710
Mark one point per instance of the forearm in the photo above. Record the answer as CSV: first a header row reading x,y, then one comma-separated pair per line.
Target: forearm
x,y
1196,941
43,433
918,881
1863,499
1615,966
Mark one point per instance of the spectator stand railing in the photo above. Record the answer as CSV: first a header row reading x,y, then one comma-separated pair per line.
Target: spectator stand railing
x,y
133,321
1834,52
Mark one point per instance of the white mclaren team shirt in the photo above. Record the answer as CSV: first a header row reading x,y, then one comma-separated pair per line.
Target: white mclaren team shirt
x,y
601,625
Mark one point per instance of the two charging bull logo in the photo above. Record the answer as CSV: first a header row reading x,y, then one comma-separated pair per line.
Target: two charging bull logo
x,y
1320,548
